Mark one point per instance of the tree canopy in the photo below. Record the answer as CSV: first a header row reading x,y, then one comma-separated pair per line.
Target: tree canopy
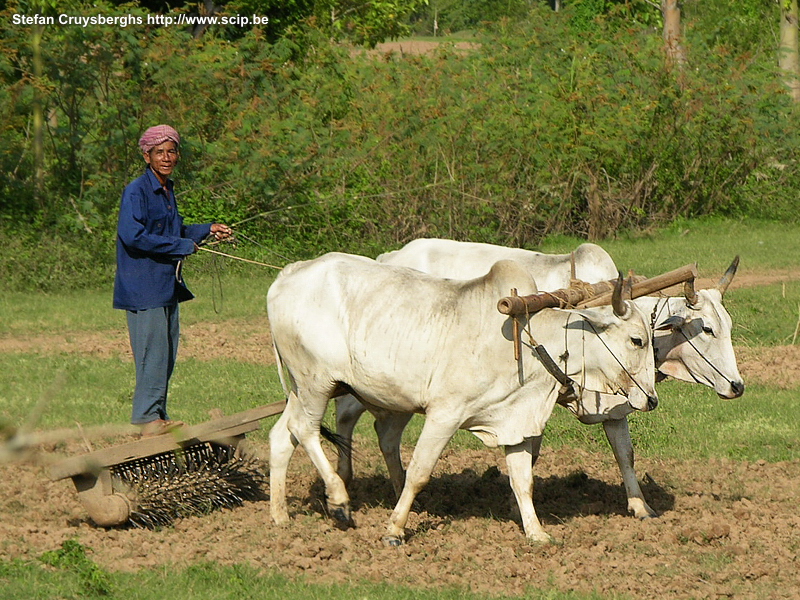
x,y
546,123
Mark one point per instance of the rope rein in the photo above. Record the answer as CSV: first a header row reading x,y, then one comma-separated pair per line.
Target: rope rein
x,y
252,262
624,368
564,379
705,358
689,341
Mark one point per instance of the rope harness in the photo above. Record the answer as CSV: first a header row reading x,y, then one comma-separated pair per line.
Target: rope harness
x,y
680,330
567,383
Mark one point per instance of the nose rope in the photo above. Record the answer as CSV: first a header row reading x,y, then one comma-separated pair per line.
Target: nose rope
x,y
689,341
565,380
619,362
703,356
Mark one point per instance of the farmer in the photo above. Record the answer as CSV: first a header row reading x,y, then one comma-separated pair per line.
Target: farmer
x,y
152,241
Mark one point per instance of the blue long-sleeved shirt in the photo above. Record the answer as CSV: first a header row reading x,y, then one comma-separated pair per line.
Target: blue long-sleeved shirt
x,y
151,239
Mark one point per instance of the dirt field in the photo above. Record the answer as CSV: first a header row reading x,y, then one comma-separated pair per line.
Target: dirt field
x,y
727,529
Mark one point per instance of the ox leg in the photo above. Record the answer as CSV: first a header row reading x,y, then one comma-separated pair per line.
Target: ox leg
x,y
619,436
303,422
432,440
390,427
348,412
282,445
520,459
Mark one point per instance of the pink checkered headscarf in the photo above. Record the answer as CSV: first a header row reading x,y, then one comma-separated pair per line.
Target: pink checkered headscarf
x,y
158,135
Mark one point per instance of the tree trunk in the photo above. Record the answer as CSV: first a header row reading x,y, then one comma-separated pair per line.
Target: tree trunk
x,y
38,118
200,28
676,56
594,200
788,59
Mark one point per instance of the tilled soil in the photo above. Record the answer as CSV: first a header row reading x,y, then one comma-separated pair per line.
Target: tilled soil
x,y
728,529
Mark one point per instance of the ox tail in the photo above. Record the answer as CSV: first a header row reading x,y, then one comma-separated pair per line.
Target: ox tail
x,y
343,445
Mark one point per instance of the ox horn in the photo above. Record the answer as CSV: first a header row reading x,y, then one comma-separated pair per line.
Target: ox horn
x,y
728,276
689,292
622,292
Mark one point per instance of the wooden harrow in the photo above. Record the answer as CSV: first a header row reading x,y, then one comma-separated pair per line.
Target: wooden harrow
x,y
196,467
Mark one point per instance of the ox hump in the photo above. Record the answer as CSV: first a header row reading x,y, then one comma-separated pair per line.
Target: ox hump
x,y
509,274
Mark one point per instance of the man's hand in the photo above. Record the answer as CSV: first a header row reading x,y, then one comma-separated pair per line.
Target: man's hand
x,y
220,231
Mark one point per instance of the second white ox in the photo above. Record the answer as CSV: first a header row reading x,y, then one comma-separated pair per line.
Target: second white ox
x,y
692,341
404,342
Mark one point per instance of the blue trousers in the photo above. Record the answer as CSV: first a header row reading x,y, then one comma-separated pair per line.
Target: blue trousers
x,y
154,335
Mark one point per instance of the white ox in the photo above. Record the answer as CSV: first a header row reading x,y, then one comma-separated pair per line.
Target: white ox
x,y
404,342
692,341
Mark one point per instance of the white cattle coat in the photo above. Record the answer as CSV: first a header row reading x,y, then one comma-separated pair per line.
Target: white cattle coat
x,y
405,342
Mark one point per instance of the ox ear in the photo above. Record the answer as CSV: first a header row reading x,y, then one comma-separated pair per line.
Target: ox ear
x,y
728,276
599,319
671,323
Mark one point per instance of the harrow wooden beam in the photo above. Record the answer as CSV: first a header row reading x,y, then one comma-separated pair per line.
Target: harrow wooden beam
x,y
91,473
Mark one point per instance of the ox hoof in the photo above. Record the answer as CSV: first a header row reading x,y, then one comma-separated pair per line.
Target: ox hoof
x,y
640,509
392,541
341,516
280,518
540,539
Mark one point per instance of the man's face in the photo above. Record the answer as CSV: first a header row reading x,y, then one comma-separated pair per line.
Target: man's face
x,y
162,159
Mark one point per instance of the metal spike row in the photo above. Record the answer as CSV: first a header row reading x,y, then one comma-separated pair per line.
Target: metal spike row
x,y
195,481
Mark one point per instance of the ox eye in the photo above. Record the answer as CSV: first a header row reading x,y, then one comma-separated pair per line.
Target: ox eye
x,y
708,330
638,342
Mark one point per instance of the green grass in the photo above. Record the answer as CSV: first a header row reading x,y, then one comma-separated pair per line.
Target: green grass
x,y
72,575
712,243
228,296
92,391
692,421
25,314
765,315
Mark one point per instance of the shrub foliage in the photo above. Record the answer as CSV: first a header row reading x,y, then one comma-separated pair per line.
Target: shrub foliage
x,y
551,123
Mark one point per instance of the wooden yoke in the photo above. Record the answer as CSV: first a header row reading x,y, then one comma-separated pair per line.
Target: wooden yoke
x,y
590,295
649,286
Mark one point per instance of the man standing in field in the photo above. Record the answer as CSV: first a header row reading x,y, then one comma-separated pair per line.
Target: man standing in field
x,y
152,242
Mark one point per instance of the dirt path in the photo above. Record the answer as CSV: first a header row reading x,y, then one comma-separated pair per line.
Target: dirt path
x,y
246,340
728,529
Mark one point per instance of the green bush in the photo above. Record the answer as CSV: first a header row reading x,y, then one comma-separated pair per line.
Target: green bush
x,y
537,131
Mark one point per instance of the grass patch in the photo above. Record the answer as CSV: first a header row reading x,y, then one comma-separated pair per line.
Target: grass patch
x,y
711,242
217,297
77,388
691,421
70,573
765,315
30,313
